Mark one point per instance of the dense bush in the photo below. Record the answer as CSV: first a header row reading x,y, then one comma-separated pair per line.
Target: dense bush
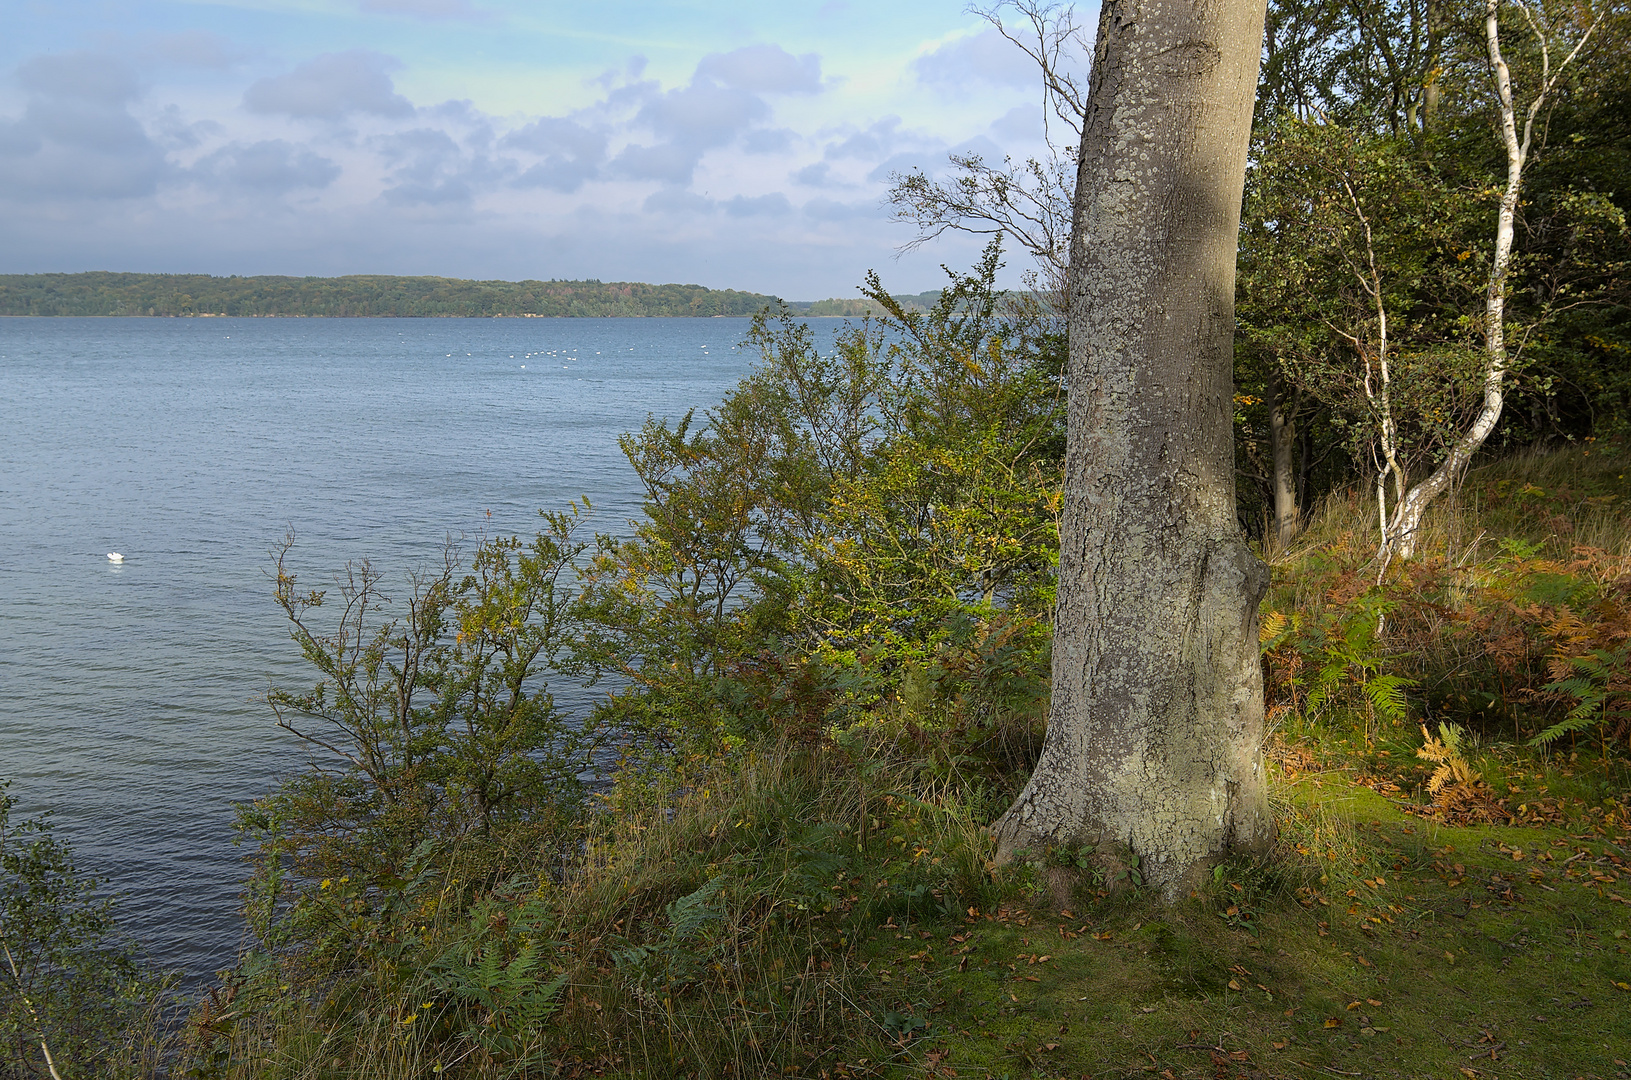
x,y
75,996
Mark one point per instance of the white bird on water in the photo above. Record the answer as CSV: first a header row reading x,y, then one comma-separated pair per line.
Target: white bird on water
x,y
115,557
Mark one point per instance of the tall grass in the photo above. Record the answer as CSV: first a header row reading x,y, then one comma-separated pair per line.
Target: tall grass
x,y
713,935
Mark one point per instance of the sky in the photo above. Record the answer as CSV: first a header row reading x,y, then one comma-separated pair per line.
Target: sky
x,y
742,144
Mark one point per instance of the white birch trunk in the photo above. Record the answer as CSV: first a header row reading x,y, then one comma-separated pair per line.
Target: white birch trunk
x,y
1403,530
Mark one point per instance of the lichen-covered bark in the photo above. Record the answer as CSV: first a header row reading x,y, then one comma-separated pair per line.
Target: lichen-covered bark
x,y
1156,719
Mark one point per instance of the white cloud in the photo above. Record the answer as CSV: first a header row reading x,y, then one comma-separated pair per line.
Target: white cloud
x,y
831,210
763,69
870,144
76,137
331,86
665,162
773,205
1021,124
270,166
80,76
983,57
754,167
676,201
572,153
769,140
429,167
818,175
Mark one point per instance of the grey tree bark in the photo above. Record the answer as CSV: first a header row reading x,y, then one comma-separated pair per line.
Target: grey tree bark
x,y
1282,447
1154,734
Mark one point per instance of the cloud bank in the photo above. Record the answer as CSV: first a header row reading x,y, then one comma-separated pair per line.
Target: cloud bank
x,y
755,168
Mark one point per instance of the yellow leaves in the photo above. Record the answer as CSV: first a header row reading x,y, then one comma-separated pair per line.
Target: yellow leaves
x,y
1446,754
1273,625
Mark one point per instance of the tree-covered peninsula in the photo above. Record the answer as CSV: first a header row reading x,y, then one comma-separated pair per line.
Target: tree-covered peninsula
x,y
102,293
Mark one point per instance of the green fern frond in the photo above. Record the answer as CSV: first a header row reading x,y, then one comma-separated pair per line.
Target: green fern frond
x,y
1386,694
691,913
1578,720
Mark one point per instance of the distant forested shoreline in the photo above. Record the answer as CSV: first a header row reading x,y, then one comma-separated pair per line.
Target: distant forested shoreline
x,y
102,293
390,296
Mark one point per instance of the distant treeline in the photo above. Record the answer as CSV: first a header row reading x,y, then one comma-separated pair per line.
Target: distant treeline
x,y
862,305
357,295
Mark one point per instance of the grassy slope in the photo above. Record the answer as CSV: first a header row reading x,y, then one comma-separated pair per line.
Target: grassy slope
x,y
831,912
1375,942
1433,950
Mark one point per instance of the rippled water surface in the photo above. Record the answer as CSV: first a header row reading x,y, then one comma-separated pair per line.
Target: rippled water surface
x,y
132,696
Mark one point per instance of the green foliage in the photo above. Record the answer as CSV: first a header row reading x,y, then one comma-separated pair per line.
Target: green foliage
x,y
1521,634
836,520
1372,190
437,716
448,746
1323,202
1600,685
499,985
75,997
1335,659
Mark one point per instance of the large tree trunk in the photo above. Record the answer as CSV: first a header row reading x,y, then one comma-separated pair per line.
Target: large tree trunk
x,y
1156,721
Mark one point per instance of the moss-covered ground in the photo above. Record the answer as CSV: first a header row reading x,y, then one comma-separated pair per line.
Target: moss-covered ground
x,y
1381,944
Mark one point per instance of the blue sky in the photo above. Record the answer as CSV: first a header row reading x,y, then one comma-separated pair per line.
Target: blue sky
x,y
732,144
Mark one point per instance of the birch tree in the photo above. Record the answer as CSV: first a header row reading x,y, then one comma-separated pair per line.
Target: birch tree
x,y
1517,129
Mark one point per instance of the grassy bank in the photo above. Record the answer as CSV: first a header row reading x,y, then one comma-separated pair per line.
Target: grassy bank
x,y
798,923
1447,897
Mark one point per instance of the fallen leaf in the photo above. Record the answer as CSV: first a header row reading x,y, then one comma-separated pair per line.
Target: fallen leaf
x,y
1234,984
1333,1021
1352,1005
1278,1045
1372,1001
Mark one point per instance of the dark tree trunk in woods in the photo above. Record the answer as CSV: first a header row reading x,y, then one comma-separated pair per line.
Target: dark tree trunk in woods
x,y
1282,447
1156,720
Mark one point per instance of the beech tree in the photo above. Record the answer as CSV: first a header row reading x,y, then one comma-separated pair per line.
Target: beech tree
x,y
1155,722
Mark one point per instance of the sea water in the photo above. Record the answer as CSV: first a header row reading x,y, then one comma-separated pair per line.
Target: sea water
x,y
133,695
